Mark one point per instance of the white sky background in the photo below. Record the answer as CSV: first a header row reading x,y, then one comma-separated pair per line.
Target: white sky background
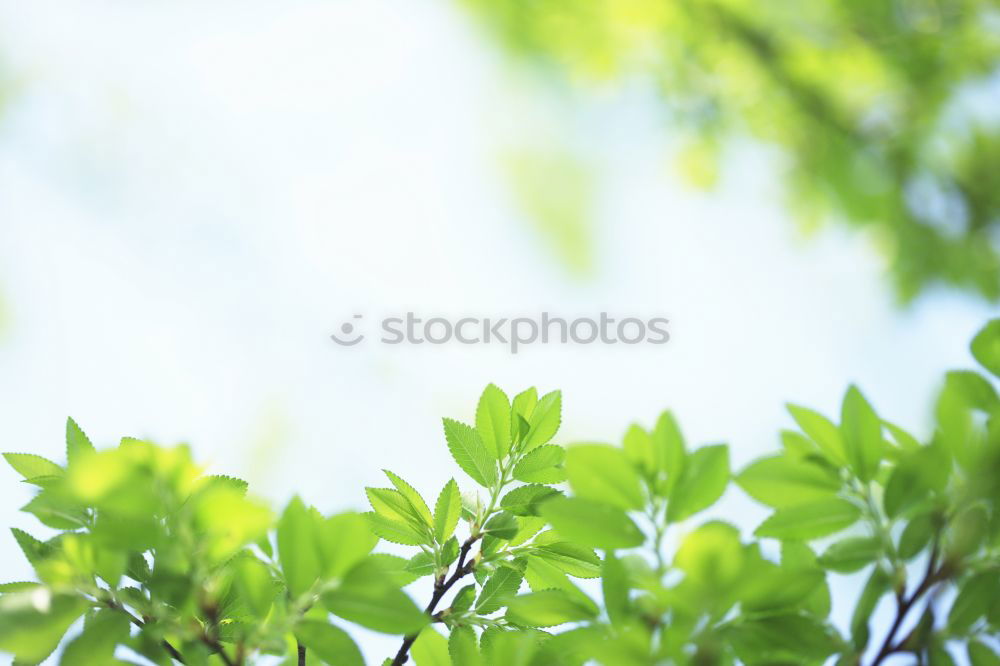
x,y
194,195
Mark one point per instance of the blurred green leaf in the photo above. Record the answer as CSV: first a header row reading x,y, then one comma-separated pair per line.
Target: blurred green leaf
x,y
591,524
781,481
602,473
851,554
546,608
330,643
810,521
96,645
365,596
702,481
298,548
985,347
821,431
431,649
861,429
33,622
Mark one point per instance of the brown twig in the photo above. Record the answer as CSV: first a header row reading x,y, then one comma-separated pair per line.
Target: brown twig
x,y
171,650
441,587
904,604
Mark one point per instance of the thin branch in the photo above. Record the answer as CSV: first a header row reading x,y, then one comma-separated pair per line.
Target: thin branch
x,y
441,587
171,650
302,654
903,605
212,640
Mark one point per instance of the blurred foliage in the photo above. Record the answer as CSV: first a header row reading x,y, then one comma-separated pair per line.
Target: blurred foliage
x,y
865,97
182,567
187,568
555,190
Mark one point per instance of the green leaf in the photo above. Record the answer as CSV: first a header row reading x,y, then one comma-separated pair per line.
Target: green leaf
x,y
520,410
31,466
422,564
501,526
412,497
576,560
543,465
367,597
798,556
782,639
449,551
391,504
77,442
603,473
542,575
810,521
447,511
545,419
463,599
500,586
974,390
431,649
668,448
702,481
781,481
393,531
328,642
493,421
591,524
255,585
32,623
230,482
851,554
524,501
470,453
917,475
861,430
878,584
20,586
638,447
981,655
916,536
985,347
463,647
33,549
975,596
344,540
547,608
711,556
96,644
615,587
53,510
298,550
821,431
394,567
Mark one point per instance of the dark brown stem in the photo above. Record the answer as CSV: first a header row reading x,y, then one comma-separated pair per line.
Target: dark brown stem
x,y
441,587
903,605
302,654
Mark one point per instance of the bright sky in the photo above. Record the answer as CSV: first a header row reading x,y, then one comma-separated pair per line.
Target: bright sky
x,y
193,196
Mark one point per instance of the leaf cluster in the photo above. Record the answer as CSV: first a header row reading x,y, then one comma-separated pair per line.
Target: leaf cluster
x,y
553,555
